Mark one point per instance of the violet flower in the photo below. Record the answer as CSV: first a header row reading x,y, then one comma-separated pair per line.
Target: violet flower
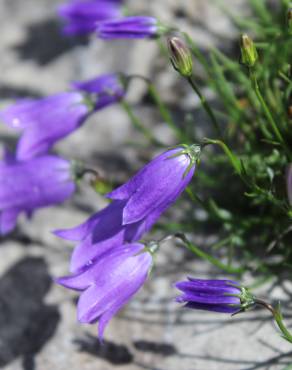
x,y
158,184
129,28
81,17
136,207
225,296
45,121
26,186
109,283
101,233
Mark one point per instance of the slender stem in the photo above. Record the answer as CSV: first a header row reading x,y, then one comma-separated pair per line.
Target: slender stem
x,y
138,124
237,165
278,317
268,114
196,250
165,113
205,105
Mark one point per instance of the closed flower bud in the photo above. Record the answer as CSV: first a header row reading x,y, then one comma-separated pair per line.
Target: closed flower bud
x,y
224,296
249,54
180,56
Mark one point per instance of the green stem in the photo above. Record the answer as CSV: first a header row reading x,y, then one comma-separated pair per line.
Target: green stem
x,y
233,159
138,124
196,250
278,317
165,113
205,105
268,114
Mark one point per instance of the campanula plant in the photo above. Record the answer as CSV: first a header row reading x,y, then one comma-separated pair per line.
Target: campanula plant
x,y
109,283
136,206
45,121
28,185
80,17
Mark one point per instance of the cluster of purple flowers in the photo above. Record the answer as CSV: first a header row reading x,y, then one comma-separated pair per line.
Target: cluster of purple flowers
x,y
105,18
108,265
33,178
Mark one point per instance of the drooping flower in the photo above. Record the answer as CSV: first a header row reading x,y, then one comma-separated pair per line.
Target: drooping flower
x,y
81,17
129,28
109,283
225,296
158,184
104,90
136,207
45,121
289,183
101,233
26,186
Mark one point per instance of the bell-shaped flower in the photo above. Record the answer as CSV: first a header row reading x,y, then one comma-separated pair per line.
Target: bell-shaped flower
x,y
28,185
80,17
101,233
136,207
45,121
129,28
109,283
225,296
158,184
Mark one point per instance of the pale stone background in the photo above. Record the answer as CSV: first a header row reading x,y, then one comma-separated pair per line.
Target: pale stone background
x,y
38,329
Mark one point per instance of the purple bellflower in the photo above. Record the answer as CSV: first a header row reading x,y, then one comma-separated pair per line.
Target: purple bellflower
x,y
136,206
26,186
101,233
129,28
81,17
109,283
214,295
45,121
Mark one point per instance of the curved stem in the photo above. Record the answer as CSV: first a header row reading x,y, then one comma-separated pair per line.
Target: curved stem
x,y
138,124
205,105
196,250
278,317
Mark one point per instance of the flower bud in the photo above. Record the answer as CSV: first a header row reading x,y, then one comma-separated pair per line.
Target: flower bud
x,y
180,56
249,54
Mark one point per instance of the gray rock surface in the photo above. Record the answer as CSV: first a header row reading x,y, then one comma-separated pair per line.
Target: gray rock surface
x,y
38,328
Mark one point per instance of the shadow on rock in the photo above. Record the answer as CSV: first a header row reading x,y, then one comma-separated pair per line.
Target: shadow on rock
x,y
45,42
114,353
13,92
26,322
163,349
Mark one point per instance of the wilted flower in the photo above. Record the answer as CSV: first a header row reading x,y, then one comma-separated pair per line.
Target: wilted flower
x,y
109,283
136,207
81,16
180,56
45,121
214,295
26,186
128,28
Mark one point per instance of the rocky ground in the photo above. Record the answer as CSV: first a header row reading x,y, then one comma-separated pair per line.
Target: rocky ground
x,y
38,328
